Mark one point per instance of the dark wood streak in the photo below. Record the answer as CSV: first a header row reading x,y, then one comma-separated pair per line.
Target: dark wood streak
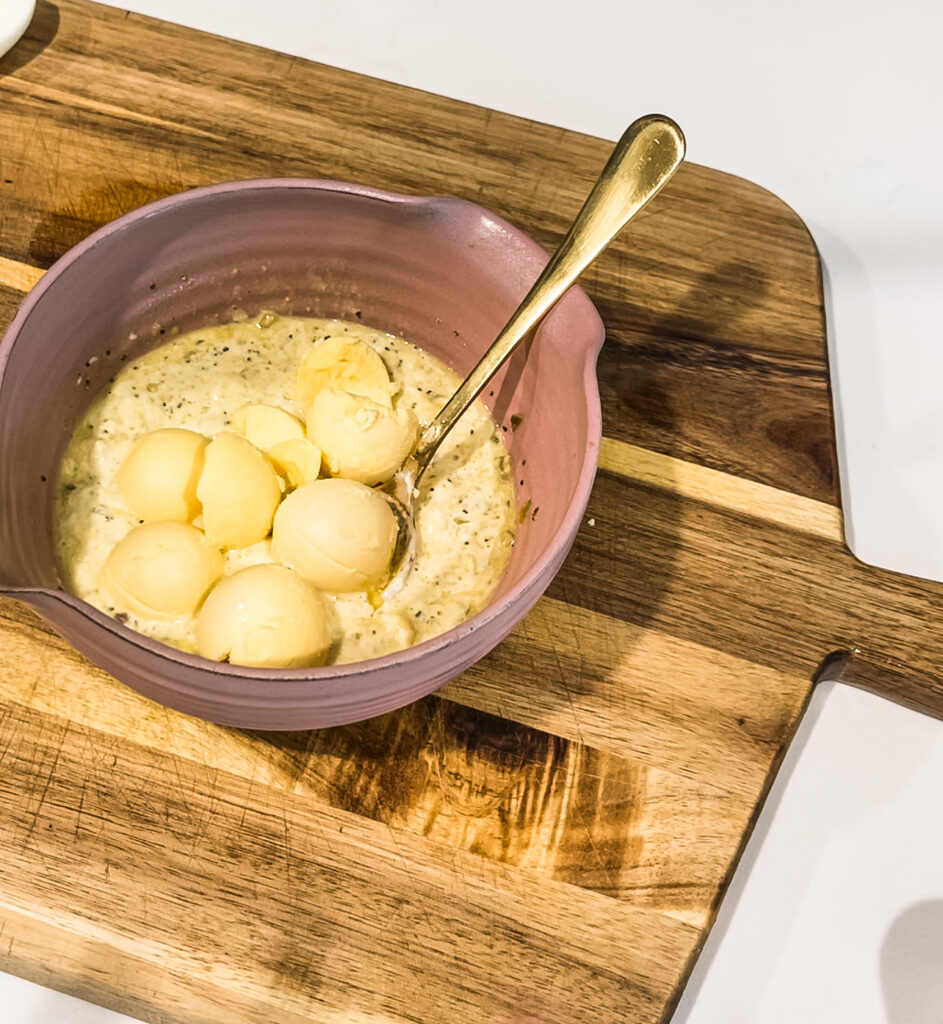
x,y
768,420
494,787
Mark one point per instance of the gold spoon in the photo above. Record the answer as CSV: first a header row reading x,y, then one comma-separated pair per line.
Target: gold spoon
x,y
643,160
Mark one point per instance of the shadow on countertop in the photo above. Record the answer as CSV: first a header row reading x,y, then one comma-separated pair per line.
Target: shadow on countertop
x,y
912,965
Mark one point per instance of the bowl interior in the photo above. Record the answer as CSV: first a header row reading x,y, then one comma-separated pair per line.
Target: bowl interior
x,y
443,273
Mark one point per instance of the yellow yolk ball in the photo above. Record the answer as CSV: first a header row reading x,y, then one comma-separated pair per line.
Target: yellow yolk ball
x,y
161,570
158,479
239,491
339,534
266,616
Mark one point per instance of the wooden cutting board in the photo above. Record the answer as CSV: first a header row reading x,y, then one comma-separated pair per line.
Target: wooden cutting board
x,y
547,839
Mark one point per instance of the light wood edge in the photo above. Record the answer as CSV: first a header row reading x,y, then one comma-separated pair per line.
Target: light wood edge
x,y
687,479
714,487
18,276
42,90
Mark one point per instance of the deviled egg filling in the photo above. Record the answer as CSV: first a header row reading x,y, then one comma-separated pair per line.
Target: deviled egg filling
x,y
260,442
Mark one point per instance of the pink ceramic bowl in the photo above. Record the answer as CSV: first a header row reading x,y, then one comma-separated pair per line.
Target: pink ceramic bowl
x,y
444,273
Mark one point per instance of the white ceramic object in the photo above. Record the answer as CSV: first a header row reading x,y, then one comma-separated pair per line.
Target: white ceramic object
x,y
15,15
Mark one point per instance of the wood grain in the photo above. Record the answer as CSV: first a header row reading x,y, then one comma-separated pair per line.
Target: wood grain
x,y
546,840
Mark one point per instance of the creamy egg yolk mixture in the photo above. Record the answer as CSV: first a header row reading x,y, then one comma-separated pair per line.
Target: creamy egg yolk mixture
x,y
230,384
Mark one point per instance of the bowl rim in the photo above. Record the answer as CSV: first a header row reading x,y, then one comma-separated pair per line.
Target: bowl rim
x,y
516,596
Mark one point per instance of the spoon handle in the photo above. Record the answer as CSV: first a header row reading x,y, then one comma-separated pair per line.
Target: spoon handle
x,y
642,162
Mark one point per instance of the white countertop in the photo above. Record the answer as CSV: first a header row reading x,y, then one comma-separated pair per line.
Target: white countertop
x,y
832,107
835,913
